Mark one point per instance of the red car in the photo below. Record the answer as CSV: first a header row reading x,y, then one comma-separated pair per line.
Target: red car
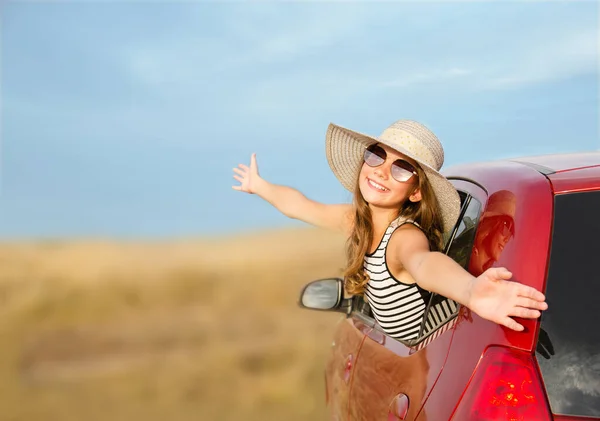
x,y
540,218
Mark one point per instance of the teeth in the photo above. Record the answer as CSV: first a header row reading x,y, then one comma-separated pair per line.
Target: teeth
x,y
377,186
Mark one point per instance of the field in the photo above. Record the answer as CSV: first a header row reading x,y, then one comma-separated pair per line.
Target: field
x,y
205,329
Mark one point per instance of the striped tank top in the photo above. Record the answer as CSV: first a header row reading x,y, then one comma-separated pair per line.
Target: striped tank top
x,y
397,307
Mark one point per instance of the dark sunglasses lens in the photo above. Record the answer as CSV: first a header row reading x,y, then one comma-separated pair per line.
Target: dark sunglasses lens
x,y
508,226
374,156
402,171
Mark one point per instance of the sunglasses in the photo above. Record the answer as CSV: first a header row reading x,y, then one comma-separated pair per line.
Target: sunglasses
x,y
507,225
402,170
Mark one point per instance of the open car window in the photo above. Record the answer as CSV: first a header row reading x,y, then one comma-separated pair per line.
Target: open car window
x,y
459,245
442,310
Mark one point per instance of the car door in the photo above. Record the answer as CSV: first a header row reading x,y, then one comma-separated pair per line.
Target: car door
x,y
437,405
339,370
392,379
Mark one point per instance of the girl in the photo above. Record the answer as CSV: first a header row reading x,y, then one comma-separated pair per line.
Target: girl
x,y
402,209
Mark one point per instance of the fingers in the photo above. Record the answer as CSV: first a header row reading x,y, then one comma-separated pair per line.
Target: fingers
x,y
245,175
499,273
243,168
525,313
529,303
511,324
526,291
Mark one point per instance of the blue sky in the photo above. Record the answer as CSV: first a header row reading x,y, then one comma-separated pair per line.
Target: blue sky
x,y
125,119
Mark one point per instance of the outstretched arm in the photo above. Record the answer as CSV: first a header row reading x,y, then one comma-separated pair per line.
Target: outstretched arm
x,y
291,202
490,295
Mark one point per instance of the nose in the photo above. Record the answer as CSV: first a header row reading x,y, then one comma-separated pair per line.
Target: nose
x,y
383,171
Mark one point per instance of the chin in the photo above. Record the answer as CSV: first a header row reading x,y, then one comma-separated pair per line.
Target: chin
x,y
379,202
370,196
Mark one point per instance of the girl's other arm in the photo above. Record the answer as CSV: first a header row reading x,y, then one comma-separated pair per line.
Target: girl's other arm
x,y
291,202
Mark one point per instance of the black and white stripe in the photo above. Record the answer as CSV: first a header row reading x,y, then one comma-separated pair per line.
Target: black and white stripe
x,y
439,314
397,307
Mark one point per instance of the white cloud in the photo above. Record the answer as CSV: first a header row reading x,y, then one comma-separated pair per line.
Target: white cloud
x,y
287,55
308,35
251,38
425,77
573,54
518,63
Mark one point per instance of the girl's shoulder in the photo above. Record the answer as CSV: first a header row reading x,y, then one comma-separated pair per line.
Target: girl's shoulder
x,y
402,220
403,229
406,238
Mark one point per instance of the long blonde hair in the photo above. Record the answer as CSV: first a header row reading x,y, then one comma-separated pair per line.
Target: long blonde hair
x,y
424,212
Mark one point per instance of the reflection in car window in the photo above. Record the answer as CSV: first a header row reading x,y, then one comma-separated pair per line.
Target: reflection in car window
x,y
442,309
496,229
569,344
461,247
463,200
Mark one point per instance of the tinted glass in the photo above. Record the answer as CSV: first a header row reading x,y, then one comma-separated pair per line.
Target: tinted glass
x,y
442,309
569,345
463,200
461,247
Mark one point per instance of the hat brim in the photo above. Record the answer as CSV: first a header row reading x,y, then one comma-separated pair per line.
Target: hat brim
x,y
345,149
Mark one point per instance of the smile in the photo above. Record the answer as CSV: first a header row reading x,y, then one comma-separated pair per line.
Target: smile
x,y
377,186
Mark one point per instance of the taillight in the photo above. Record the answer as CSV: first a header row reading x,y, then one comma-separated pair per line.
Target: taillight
x,y
506,387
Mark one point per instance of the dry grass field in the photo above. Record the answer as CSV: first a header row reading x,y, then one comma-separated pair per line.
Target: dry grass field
x,y
204,329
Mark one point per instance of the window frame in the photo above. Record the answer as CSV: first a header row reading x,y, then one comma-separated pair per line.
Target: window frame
x,y
361,309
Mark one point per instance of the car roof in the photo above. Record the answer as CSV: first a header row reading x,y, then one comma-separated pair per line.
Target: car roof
x,y
549,164
568,173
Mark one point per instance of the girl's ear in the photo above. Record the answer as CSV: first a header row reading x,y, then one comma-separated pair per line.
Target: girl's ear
x,y
415,196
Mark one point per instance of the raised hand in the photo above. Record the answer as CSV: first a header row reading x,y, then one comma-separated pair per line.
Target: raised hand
x,y
494,298
247,176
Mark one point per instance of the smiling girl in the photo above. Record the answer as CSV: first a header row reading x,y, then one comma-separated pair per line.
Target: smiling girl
x,y
402,209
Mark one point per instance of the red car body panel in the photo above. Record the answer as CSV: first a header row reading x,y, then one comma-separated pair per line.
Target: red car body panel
x,y
564,162
527,252
436,377
584,179
346,345
396,371
526,256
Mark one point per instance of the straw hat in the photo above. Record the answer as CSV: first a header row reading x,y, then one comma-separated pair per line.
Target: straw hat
x,y
345,149
503,202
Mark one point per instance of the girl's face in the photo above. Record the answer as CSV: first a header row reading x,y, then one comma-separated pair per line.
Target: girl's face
x,y
501,237
381,189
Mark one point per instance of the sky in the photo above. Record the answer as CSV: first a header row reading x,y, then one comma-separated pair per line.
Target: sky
x,y
125,119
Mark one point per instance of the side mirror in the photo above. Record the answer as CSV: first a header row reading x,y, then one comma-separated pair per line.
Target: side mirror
x,y
325,294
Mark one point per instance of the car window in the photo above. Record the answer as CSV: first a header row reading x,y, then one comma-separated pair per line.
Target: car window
x,y
462,245
568,349
464,197
442,309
